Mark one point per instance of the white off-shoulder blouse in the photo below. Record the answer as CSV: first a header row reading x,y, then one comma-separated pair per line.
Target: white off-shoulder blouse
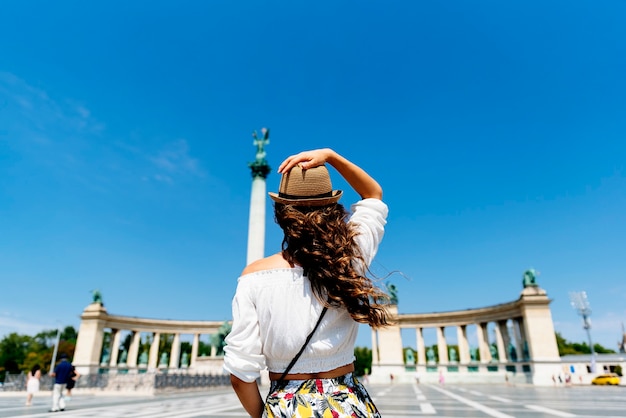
x,y
274,311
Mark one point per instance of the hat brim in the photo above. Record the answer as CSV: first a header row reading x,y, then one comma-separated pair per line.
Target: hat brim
x,y
315,201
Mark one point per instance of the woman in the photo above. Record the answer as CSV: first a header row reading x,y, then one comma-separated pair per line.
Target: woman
x,y
280,299
32,383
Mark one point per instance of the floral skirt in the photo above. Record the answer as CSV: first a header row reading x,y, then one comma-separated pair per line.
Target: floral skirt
x,y
338,397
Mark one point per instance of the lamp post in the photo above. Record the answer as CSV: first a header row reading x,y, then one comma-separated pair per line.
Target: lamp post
x,y
56,350
581,305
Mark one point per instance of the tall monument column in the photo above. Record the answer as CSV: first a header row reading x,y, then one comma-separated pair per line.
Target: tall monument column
x,y
256,226
90,338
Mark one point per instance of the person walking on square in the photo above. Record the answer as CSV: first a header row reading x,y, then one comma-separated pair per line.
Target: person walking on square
x,y
32,383
71,382
61,375
317,286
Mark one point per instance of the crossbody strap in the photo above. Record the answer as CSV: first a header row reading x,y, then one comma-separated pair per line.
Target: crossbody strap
x,y
308,338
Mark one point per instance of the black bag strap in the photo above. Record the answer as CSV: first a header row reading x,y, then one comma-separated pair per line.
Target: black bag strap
x,y
308,338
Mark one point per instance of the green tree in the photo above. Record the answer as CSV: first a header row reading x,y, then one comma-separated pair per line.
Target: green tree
x,y
204,349
70,334
19,353
13,350
363,362
565,347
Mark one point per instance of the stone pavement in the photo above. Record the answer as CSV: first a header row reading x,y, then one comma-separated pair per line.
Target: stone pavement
x,y
394,401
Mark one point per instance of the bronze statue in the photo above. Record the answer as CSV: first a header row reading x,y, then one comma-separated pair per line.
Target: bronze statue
x,y
530,278
218,339
260,167
393,293
163,360
184,361
452,354
430,355
97,296
260,143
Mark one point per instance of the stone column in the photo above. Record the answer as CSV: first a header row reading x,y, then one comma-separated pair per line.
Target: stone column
x,y
501,341
537,327
213,351
115,347
421,348
256,228
483,342
90,337
175,352
504,331
390,342
461,336
390,351
194,349
153,358
537,331
133,351
519,341
256,223
526,354
375,353
442,346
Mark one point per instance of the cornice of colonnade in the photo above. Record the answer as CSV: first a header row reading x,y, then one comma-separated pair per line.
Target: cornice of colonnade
x,y
96,311
494,313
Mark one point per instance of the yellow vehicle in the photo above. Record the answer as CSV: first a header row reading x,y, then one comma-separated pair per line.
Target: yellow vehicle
x,y
606,379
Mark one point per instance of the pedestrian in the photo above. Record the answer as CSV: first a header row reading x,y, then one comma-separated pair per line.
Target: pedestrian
x,y
61,376
32,383
71,382
442,379
298,311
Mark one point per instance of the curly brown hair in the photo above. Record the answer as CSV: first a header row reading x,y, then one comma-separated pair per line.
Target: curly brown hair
x,y
320,240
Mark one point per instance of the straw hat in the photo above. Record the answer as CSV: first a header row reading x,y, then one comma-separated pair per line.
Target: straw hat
x,y
310,187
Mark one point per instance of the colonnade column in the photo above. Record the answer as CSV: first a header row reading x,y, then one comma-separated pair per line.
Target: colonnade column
x,y
500,341
519,343
194,349
442,346
483,342
461,336
175,352
133,351
115,347
153,358
421,348
88,352
375,353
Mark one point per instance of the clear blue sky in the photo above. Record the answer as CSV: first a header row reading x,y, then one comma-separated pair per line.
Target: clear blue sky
x,y
497,130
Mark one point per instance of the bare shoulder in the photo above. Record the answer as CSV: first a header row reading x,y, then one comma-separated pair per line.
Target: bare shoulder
x,y
272,262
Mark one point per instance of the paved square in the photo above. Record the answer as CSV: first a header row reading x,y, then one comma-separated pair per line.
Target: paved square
x,y
394,401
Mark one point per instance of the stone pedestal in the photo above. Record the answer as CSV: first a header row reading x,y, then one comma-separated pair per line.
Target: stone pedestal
x,y
539,333
89,342
387,359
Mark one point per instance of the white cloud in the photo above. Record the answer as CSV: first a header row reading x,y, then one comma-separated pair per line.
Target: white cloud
x,y
61,135
175,158
31,113
10,323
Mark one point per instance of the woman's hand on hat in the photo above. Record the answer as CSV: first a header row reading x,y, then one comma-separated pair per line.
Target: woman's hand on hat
x,y
306,159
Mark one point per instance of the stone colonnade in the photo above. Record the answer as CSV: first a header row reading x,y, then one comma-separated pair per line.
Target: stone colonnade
x,y
96,322
525,343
